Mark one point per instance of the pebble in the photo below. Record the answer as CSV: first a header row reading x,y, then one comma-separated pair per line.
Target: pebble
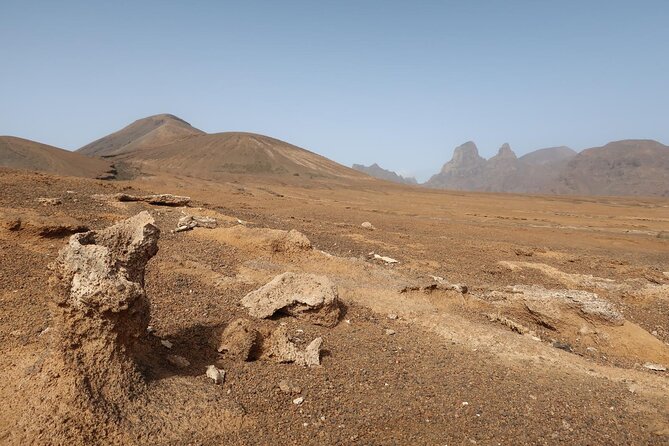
x,y
298,400
390,331
392,316
166,343
215,374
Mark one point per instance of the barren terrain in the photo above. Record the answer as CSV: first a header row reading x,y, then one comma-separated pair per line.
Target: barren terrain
x,y
560,338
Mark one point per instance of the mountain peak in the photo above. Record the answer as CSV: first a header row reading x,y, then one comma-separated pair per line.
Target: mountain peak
x,y
505,151
152,131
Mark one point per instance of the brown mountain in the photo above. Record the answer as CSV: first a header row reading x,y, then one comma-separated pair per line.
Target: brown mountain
x,y
19,153
628,167
209,156
379,172
154,131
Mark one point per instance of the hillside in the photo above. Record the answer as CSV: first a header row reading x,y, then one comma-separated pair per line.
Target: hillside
x,y
210,155
627,167
150,132
19,153
377,171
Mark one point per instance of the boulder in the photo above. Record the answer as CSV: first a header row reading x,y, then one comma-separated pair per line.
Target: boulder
x,y
282,349
100,311
308,297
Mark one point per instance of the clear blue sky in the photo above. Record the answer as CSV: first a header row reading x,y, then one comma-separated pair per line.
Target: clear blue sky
x,y
398,83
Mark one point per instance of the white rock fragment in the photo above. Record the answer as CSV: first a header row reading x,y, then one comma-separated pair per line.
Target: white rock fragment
x,y
188,222
392,316
389,331
166,343
367,225
215,374
655,367
299,400
385,259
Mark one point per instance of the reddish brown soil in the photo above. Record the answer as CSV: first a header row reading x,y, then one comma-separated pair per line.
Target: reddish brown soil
x,y
448,375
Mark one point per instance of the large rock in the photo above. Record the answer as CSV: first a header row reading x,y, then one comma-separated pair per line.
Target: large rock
x,y
282,349
306,296
99,311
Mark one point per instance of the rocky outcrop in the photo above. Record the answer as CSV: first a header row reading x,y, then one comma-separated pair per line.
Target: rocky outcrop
x,y
377,171
305,296
99,311
462,172
155,199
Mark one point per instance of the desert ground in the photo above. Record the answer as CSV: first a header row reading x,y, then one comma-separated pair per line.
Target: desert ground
x,y
506,319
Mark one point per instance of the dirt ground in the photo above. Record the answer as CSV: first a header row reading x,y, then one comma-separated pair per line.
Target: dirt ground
x,y
485,367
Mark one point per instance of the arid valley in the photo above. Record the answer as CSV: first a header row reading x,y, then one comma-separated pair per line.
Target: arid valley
x,y
449,317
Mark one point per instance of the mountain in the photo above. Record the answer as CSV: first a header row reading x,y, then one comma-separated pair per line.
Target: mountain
x,y
208,156
504,172
548,155
462,172
154,131
19,153
378,172
628,167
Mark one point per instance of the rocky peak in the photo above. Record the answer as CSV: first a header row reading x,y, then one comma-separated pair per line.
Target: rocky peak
x,y
505,151
464,156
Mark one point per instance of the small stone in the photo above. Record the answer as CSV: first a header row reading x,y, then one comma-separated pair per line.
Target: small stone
x,y
178,361
385,259
166,343
49,201
390,331
367,225
655,367
215,374
392,316
286,387
298,400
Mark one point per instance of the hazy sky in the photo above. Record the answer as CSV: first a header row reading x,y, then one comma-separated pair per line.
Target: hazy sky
x,y
398,83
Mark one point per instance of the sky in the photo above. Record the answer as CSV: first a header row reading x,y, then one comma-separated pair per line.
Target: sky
x,y
400,83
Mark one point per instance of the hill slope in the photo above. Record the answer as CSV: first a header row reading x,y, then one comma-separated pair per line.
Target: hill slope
x,y
627,167
19,153
150,132
384,174
209,155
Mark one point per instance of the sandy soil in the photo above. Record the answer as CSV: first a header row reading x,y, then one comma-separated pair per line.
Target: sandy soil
x,y
448,375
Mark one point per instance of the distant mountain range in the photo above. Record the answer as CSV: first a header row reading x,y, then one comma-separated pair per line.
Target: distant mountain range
x,y
628,167
169,144
379,172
